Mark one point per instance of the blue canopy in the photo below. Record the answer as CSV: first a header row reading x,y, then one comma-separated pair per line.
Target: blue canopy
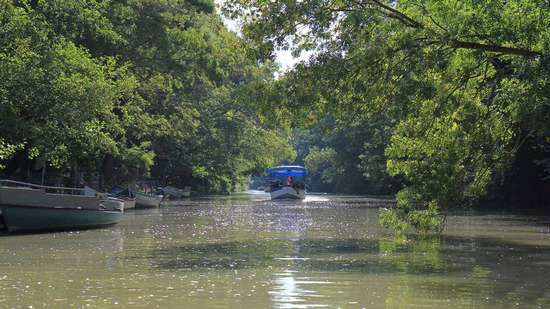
x,y
287,170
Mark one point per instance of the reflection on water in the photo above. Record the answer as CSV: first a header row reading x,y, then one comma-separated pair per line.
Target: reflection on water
x,y
292,292
247,251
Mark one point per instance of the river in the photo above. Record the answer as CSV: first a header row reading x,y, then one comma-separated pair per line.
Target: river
x,y
246,251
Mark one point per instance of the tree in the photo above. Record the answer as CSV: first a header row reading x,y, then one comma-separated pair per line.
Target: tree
x,y
462,84
133,90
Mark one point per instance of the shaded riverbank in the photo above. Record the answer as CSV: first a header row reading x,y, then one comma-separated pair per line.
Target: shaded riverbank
x,y
247,251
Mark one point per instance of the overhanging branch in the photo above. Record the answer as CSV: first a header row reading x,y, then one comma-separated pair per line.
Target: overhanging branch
x,y
495,48
410,22
393,13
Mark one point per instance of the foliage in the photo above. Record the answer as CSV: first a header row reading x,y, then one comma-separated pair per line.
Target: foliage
x,y
454,88
345,157
321,164
132,90
410,211
6,151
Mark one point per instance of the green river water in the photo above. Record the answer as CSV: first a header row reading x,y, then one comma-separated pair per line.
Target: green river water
x,y
248,252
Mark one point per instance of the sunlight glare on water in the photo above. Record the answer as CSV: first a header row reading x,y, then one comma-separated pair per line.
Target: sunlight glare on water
x,y
246,251
316,198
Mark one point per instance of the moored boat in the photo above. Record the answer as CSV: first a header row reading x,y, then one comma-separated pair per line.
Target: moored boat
x,y
147,200
124,195
27,207
287,182
129,202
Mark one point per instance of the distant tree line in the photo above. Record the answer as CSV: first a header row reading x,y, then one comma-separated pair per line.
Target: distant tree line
x,y
345,157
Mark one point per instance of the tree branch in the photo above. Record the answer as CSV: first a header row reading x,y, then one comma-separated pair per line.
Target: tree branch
x,y
398,15
410,22
495,48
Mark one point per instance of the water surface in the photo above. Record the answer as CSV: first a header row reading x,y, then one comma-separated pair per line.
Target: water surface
x,y
248,252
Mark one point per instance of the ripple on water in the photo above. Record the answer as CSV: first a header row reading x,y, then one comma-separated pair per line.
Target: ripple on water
x,y
238,251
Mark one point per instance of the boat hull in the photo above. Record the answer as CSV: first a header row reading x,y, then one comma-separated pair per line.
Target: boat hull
x,y
32,219
129,203
288,193
147,201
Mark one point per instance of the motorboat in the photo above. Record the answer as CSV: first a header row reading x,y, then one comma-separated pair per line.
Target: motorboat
x,y
286,182
26,207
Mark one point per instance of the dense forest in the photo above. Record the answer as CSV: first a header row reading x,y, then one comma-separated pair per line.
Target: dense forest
x,y
444,103
120,91
452,98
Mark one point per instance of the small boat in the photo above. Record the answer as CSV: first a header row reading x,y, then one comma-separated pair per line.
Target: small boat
x,y
287,182
125,195
26,207
147,200
170,191
129,202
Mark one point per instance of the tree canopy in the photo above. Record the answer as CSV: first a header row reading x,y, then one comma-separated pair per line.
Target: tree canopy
x,y
457,87
134,88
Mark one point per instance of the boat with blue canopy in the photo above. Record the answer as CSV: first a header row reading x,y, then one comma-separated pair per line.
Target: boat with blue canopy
x,y
287,182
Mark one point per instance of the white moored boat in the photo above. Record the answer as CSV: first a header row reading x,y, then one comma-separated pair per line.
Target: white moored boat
x,y
28,207
147,200
125,195
287,182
